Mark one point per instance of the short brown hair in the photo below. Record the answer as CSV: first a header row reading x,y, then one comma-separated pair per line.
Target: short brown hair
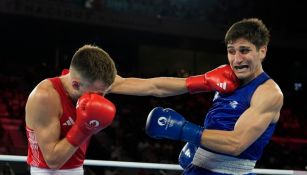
x,y
95,64
251,29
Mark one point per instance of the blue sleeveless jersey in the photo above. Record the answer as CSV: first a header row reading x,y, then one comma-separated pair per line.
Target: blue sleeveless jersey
x,y
226,110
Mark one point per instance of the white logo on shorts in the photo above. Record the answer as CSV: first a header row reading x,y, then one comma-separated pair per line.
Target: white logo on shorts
x,y
187,153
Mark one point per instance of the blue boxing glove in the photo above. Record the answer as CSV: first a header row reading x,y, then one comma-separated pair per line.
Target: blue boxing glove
x,y
186,155
167,123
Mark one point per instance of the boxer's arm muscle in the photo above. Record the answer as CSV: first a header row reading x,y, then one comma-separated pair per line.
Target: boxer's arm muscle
x,y
263,111
159,87
42,115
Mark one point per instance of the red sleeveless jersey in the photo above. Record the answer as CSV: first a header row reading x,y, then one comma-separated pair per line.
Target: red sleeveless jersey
x,y
35,157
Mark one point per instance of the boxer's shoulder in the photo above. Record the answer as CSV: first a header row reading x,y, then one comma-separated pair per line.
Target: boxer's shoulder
x,y
44,93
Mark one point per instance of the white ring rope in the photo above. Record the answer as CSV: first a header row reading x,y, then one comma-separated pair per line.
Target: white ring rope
x,y
141,165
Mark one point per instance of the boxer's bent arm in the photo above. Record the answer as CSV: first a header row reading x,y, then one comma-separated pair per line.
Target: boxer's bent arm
x,y
42,115
159,87
264,109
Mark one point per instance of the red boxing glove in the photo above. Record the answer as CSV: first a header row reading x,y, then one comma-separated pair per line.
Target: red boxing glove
x,y
94,113
221,79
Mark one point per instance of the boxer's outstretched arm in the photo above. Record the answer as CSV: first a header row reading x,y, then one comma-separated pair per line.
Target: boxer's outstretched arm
x,y
221,79
159,87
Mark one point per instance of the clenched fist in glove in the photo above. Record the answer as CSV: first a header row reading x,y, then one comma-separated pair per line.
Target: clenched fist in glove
x,y
167,123
221,79
94,113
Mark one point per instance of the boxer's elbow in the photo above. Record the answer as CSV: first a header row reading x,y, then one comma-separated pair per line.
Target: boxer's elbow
x,y
236,147
53,162
161,91
155,90
236,150
53,166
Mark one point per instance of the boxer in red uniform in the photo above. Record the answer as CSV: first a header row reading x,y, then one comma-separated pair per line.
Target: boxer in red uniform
x,y
63,112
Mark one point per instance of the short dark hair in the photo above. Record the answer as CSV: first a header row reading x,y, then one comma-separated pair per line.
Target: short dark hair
x,y
251,29
95,64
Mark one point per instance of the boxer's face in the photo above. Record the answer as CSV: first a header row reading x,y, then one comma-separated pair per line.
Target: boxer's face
x,y
245,59
81,85
94,87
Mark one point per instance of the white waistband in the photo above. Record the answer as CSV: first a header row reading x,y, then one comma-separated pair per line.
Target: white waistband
x,y
222,163
44,171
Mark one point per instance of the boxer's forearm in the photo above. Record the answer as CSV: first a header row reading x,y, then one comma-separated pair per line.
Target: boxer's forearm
x,y
159,87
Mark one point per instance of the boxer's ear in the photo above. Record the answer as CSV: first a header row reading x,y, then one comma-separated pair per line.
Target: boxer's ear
x,y
75,85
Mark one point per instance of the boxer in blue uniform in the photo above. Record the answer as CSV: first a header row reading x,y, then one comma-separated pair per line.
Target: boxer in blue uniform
x,y
239,124
245,109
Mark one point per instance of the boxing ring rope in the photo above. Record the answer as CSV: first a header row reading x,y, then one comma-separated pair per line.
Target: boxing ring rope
x,y
159,166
